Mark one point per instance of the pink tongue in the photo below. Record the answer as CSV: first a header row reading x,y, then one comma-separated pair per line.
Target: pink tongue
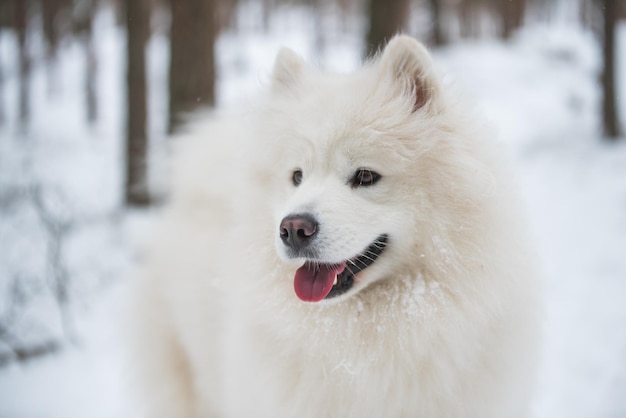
x,y
313,282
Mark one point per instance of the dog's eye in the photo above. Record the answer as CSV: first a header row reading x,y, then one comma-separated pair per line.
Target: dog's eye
x,y
364,177
296,177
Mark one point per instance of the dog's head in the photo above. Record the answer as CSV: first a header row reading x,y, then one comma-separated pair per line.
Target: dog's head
x,y
356,168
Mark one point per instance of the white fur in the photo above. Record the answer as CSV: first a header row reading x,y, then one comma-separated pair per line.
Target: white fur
x,y
443,324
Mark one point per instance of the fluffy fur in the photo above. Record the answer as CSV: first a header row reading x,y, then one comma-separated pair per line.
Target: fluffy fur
x,y
441,325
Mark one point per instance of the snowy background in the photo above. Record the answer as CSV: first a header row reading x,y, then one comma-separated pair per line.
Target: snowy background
x,y
62,219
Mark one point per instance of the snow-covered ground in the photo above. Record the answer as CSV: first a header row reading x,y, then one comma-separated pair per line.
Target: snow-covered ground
x,y
540,91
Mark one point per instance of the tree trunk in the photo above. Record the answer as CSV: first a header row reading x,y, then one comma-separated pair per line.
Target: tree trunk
x,y
609,105
2,116
387,18
83,26
21,27
138,27
512,16
468,19
53,13
192,61
51,10
437,37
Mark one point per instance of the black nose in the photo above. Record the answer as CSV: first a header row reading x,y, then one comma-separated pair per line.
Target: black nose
x,y
297,231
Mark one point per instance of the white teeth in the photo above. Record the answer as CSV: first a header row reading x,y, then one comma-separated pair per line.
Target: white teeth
x,y
335,281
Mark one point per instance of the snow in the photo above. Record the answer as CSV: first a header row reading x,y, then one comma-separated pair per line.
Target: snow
x,y
578,199
540,91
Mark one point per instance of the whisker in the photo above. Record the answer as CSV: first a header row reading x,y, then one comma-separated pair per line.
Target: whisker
x,y
349,270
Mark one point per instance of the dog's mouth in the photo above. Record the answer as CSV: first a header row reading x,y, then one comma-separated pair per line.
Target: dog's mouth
x,y
315,281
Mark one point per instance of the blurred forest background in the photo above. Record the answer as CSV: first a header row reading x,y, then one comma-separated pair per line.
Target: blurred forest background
x,y
43,276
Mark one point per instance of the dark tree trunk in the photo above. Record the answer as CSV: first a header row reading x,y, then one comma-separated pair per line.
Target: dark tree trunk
x,y
387,18
138,27
192,61
51,10
91,62
21,27
512,16
53,13
609,105
437,36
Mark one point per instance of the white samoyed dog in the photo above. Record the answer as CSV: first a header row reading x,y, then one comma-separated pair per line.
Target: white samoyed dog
x,y
350,247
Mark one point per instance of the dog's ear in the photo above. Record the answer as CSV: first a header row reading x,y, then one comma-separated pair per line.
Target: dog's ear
x,y
406,61
288,69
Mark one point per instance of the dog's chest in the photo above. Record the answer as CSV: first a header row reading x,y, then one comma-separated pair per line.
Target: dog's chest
x,y
326,369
